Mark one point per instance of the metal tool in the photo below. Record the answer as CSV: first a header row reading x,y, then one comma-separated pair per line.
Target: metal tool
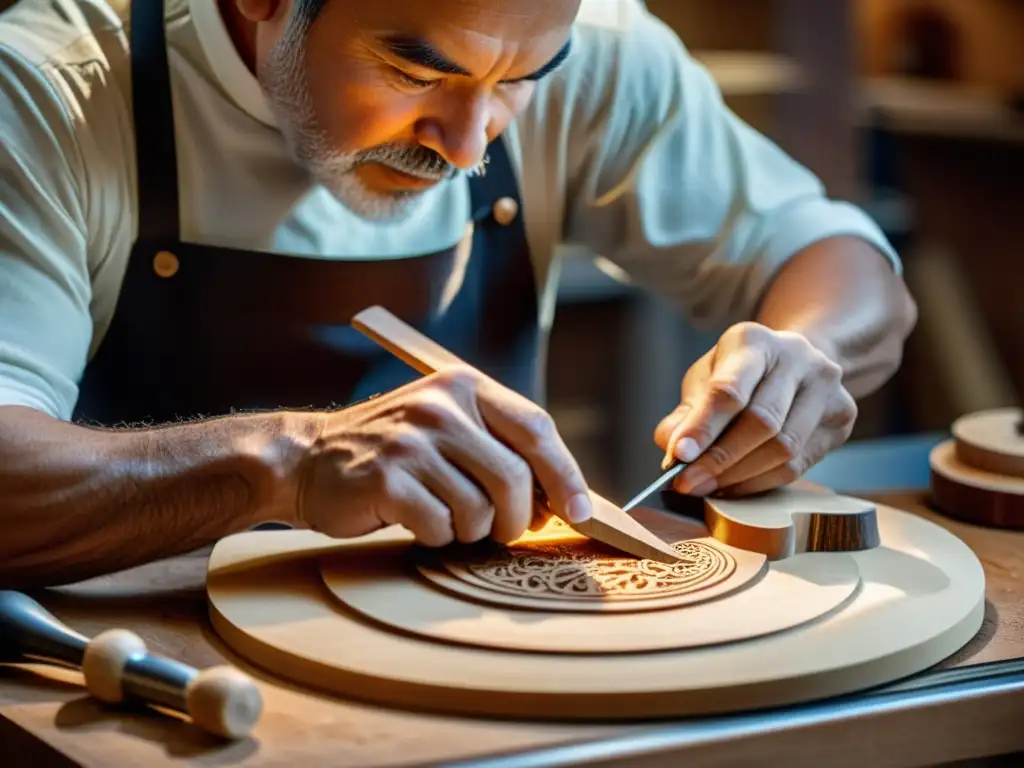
x,y
655,486
670,467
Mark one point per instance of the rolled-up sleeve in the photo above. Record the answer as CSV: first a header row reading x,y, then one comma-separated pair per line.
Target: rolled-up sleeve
x,y
45,323
671,186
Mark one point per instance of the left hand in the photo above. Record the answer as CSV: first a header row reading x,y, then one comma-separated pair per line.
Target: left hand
x,y
757,411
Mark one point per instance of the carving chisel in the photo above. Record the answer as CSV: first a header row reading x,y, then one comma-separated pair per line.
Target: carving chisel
x,y
670,466
609,524
655,486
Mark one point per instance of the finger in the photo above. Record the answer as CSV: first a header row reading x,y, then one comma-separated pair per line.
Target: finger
x,y
784,474
677,446
790,444
541,516
667,434
407,502
504,477
531,433
792,459
765,418
727,392
450,414
471,510
668,425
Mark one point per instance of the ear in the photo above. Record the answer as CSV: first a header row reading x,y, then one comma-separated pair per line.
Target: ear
x,y
259,10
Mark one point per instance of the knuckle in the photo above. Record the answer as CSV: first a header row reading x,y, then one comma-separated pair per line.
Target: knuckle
x,y
769,415
517,474
828,371
748,332
717,456
791,470
435,524
431,408
788,444
436,536
788,346
842,413
387,481
539,427
405,443
849,410
725,395
477,523
461,379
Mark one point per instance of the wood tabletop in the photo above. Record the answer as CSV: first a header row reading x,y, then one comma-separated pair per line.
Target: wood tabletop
x,y
46,718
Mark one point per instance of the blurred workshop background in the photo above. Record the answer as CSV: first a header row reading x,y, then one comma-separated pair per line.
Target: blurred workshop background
x,y
912,108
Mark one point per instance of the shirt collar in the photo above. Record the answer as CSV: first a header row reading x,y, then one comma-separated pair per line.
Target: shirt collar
x,y
227,66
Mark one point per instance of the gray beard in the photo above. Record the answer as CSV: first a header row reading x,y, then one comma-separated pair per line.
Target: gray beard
x,y
283,80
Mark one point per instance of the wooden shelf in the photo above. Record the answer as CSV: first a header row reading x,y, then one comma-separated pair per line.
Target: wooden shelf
x,y
940,109
752,73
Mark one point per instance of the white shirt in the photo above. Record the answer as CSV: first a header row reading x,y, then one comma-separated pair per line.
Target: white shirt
x,y
627,151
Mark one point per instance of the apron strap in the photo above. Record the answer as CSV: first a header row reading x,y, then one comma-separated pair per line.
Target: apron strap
x,y
153,111
156,154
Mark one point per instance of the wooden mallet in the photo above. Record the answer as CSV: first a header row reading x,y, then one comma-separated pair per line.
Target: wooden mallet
x,y
116,667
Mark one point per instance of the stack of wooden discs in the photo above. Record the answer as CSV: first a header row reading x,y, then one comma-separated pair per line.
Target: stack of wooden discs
x,y
978,474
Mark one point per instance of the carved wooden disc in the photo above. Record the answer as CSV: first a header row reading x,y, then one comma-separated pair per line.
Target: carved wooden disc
x,y
559,570
382,586
921,597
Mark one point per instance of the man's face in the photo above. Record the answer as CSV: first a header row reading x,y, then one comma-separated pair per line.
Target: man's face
x,y
381,100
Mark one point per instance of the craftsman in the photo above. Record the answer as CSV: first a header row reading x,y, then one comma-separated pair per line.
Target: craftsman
x,y
192,212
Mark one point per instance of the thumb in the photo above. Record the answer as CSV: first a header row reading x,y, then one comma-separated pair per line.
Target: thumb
x,y
667,426
669,431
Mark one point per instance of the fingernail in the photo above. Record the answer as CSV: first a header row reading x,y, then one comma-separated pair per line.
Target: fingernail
x,y
579,509
695,479
687,449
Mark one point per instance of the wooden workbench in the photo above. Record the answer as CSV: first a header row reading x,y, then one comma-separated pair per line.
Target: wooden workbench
x,y
47,719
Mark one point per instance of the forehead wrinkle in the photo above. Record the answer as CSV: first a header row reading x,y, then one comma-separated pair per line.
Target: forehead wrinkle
x,y
503,52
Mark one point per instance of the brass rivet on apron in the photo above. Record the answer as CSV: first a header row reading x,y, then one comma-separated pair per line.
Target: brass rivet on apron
x,y
165,264
505,211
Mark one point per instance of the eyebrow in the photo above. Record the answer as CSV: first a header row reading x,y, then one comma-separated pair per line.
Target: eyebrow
x,y
418,51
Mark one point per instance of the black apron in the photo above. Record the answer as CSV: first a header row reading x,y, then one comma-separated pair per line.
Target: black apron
x,y
205,331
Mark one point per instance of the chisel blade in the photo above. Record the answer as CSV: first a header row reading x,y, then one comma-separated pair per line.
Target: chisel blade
x,y
655,486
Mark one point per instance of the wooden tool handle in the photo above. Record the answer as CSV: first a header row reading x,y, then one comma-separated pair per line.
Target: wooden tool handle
x,y
403,341
116,666
416,350
609,524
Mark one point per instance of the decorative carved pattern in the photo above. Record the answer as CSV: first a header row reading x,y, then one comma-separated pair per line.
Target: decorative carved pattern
x,y
573,571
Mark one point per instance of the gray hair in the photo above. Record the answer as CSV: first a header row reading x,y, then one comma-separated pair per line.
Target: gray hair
x,y
306,11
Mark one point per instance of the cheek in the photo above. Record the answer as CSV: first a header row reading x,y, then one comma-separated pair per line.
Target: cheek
x,y
357,115
507,107
520,97
353,106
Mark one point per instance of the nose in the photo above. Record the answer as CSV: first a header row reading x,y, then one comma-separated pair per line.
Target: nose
x,y
460,130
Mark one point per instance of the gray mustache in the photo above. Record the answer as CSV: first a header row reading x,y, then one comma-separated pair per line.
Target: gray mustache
x,y
416,161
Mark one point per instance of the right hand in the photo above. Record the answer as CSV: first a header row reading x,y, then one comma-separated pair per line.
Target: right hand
x,y
451,457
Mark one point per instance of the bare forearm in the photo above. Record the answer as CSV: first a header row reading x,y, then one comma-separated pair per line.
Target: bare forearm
x,y
844,296
76,502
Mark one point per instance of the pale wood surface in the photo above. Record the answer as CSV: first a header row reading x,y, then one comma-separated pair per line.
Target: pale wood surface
x,y
920,598
49,713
